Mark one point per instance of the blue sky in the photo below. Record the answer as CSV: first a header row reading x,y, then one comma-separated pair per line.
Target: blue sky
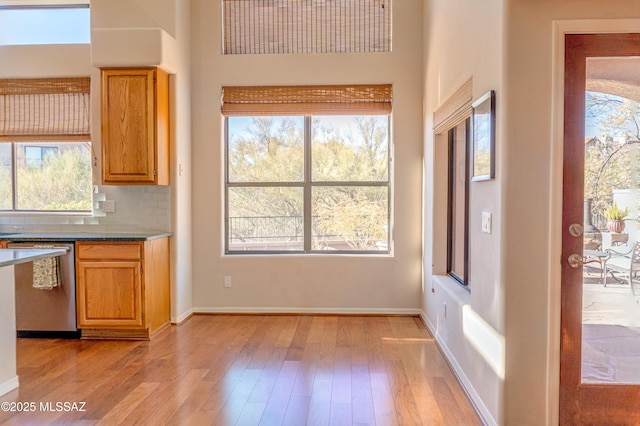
x,y
44,26
592,127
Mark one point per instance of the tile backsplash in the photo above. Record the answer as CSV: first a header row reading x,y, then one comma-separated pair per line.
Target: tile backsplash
x,y
135,208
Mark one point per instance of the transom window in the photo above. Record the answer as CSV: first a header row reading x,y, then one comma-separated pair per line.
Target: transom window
x,y
305,182
306,26
35,23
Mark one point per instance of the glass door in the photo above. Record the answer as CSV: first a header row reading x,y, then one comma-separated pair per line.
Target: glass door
x,y
600,319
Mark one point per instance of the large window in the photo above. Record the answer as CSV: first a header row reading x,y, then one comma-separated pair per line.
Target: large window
x,y
308,183
45,148
306,26
458,210
307,168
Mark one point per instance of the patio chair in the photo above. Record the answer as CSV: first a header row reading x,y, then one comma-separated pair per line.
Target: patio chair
x,y
627,263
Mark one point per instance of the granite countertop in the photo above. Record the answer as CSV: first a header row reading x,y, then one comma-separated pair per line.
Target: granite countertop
x,y
93,236
15,256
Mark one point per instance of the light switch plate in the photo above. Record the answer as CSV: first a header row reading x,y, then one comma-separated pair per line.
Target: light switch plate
x,y
486,222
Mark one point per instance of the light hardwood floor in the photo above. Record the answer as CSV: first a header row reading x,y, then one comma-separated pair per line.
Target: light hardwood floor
x,y
246,370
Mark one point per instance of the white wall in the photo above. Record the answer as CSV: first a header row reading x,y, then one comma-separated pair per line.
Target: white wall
x,y
136,208
532,192
8,372
507,47
181,168
174,54
464,39
137,14
319,283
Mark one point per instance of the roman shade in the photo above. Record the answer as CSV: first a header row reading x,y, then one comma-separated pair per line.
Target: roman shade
x,y
306,26
454,110
307,100
44,109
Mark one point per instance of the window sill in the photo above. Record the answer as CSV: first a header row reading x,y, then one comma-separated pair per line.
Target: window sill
x,y
44,213
452,287
312,255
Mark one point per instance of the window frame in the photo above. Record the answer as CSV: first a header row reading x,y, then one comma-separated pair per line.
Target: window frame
x,y
64,117
451,140
14,177
307,184
50,6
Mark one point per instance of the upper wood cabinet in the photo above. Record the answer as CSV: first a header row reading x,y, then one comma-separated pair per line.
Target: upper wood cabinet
x,y
135,126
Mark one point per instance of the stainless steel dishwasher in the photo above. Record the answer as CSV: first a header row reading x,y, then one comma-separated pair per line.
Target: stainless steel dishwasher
x,y
46,313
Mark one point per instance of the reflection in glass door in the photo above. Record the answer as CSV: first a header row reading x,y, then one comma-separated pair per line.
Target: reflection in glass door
x,y
611,285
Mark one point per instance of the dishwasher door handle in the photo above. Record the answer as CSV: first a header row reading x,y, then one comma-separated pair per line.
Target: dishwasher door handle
x,y
33,246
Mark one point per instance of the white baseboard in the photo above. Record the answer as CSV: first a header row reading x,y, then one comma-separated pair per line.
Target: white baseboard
x,y
182,317
282,310
9,385
471,392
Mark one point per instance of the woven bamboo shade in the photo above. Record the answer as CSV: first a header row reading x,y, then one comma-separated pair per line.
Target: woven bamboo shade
x,y
306,26
307,100
454,110
44,109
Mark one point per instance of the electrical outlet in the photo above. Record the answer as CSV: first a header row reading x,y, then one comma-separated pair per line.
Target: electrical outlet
x,y
109,206
227,281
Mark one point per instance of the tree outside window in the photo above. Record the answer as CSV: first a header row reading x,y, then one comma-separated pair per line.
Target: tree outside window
x,y
48,177
308,184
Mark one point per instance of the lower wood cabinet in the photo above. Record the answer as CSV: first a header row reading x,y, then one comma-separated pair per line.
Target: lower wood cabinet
x,y
122,288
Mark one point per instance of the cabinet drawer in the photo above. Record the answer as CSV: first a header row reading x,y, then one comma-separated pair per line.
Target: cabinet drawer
x,y
109,251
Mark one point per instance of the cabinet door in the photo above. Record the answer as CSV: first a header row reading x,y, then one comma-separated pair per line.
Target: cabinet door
x,y
128,126
109,293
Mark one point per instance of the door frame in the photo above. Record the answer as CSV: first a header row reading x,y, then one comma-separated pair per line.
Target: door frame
x,y
560,29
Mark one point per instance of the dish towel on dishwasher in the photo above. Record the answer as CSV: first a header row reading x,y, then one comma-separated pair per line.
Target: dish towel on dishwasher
x,y
46,272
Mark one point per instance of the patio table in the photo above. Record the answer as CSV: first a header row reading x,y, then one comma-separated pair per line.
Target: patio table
x,y
593,256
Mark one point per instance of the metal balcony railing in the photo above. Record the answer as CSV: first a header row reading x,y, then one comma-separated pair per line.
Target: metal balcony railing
x,y
266,228
287,232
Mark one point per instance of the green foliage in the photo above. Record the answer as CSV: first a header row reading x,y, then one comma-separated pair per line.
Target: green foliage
x,y
62,182
270,150
607,168
611,159
343,149
6,181
260,214
356,215
613,212
358,153
6,188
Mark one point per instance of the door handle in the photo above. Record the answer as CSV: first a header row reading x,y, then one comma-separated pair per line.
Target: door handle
x,y
575,260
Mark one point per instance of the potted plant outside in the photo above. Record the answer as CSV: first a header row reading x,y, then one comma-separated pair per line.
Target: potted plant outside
x,y
615,218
